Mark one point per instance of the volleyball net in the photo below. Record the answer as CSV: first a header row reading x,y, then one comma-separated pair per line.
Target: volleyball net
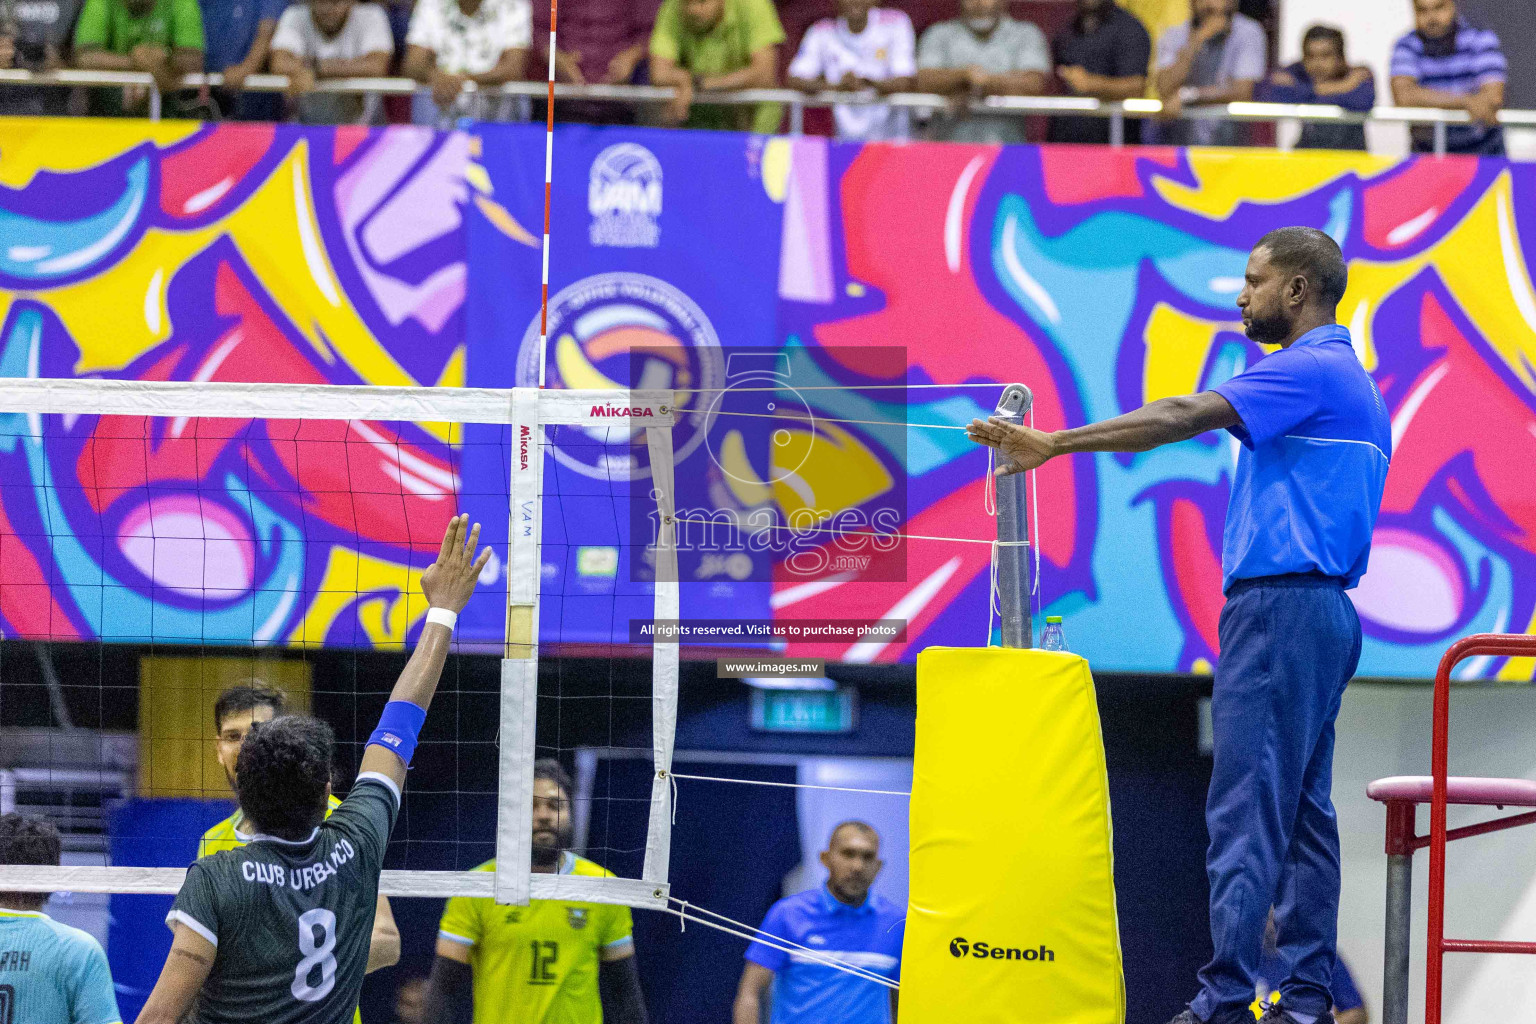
x,y
190,537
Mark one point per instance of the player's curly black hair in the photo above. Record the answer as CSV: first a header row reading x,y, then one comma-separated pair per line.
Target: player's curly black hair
x,y
27,839
282,773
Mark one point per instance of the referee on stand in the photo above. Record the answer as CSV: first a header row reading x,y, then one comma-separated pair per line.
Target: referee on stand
x,y
1315,445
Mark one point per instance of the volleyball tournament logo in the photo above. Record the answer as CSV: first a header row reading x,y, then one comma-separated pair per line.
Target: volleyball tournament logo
x,y
620,331
624,198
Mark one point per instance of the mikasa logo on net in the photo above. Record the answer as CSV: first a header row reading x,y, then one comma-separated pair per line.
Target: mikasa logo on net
x,y
960,948
617,411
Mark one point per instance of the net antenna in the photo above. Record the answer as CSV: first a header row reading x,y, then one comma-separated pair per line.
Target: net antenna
x,y
1013,549
39,402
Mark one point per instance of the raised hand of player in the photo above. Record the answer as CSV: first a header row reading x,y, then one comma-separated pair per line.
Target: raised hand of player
x,y
449,582
1021,448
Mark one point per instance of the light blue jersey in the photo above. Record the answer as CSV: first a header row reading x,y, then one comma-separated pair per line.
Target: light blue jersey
x,y
51,973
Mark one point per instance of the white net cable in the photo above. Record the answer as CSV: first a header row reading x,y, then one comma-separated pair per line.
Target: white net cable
x,y
791,785
282,528
682,908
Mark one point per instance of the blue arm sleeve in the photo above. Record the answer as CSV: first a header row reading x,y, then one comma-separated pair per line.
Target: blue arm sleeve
x,y
399,726
1273,396
764,955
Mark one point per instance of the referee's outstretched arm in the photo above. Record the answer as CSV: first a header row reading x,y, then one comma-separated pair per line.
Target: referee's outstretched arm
x,y
1165,421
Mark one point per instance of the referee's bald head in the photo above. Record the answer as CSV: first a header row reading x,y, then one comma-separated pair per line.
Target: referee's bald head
x,y
1312,254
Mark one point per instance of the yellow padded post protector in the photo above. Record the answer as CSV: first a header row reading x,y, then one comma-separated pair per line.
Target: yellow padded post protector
x,y
1012,894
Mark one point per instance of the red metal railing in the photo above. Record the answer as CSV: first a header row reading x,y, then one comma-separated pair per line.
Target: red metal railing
x,y
1511,645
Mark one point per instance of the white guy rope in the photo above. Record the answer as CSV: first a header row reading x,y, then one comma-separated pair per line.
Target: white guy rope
x,y
813,420
166,398
835,387
783,945
791,785
1034,488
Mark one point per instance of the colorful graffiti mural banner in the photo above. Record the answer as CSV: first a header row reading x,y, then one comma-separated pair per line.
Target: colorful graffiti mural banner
x,y
233,254
1101,278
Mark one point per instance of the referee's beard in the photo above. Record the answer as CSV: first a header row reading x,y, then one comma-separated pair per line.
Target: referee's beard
x,y
1268,328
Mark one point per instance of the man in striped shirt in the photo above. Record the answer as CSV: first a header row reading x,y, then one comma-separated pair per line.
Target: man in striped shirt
x,y
1447,62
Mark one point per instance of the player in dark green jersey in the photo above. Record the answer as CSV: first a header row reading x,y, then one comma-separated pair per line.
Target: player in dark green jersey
x,y
277,931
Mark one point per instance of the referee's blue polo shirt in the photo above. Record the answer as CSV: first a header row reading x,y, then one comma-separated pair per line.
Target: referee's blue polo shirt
x,y
1316,441
809,992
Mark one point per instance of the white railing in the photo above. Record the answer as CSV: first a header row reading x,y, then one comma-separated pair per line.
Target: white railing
x,y
797,102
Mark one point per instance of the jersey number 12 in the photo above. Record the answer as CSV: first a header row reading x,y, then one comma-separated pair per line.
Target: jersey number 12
x,y
542,969
319,953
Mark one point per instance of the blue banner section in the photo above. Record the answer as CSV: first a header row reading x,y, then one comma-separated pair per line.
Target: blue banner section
x,y
639,296
149,833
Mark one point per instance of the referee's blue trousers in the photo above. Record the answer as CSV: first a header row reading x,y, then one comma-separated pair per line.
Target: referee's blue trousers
x,y
1289,644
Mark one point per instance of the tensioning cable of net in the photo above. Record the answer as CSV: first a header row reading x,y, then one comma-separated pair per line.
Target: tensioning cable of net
x,y
731,926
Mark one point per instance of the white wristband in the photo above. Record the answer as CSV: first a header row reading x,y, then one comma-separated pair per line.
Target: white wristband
x,y
443,617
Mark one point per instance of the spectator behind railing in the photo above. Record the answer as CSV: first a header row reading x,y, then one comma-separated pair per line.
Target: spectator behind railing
x,y
454,42
718,44
1158,16
1103,53
34,36
161,37
1323,75
865,47
332,39
1217,57
1446,62
239,40
984,52
602,42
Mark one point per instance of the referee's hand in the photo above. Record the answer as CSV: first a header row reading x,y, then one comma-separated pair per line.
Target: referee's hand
x,y
1020,448
450,581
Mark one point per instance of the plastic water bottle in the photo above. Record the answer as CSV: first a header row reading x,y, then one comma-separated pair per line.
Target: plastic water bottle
x,y
1053,639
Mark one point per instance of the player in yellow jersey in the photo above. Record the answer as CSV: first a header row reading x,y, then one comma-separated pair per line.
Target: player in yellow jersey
x,y
551,962
234,713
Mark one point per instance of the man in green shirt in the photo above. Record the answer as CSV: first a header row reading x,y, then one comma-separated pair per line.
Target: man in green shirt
x,y
718,44
162,37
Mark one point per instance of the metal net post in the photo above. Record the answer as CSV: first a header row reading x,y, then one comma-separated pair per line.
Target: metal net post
x,y
1012,552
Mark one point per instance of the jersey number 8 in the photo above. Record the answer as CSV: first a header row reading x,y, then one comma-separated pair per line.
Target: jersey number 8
x,y
319,954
